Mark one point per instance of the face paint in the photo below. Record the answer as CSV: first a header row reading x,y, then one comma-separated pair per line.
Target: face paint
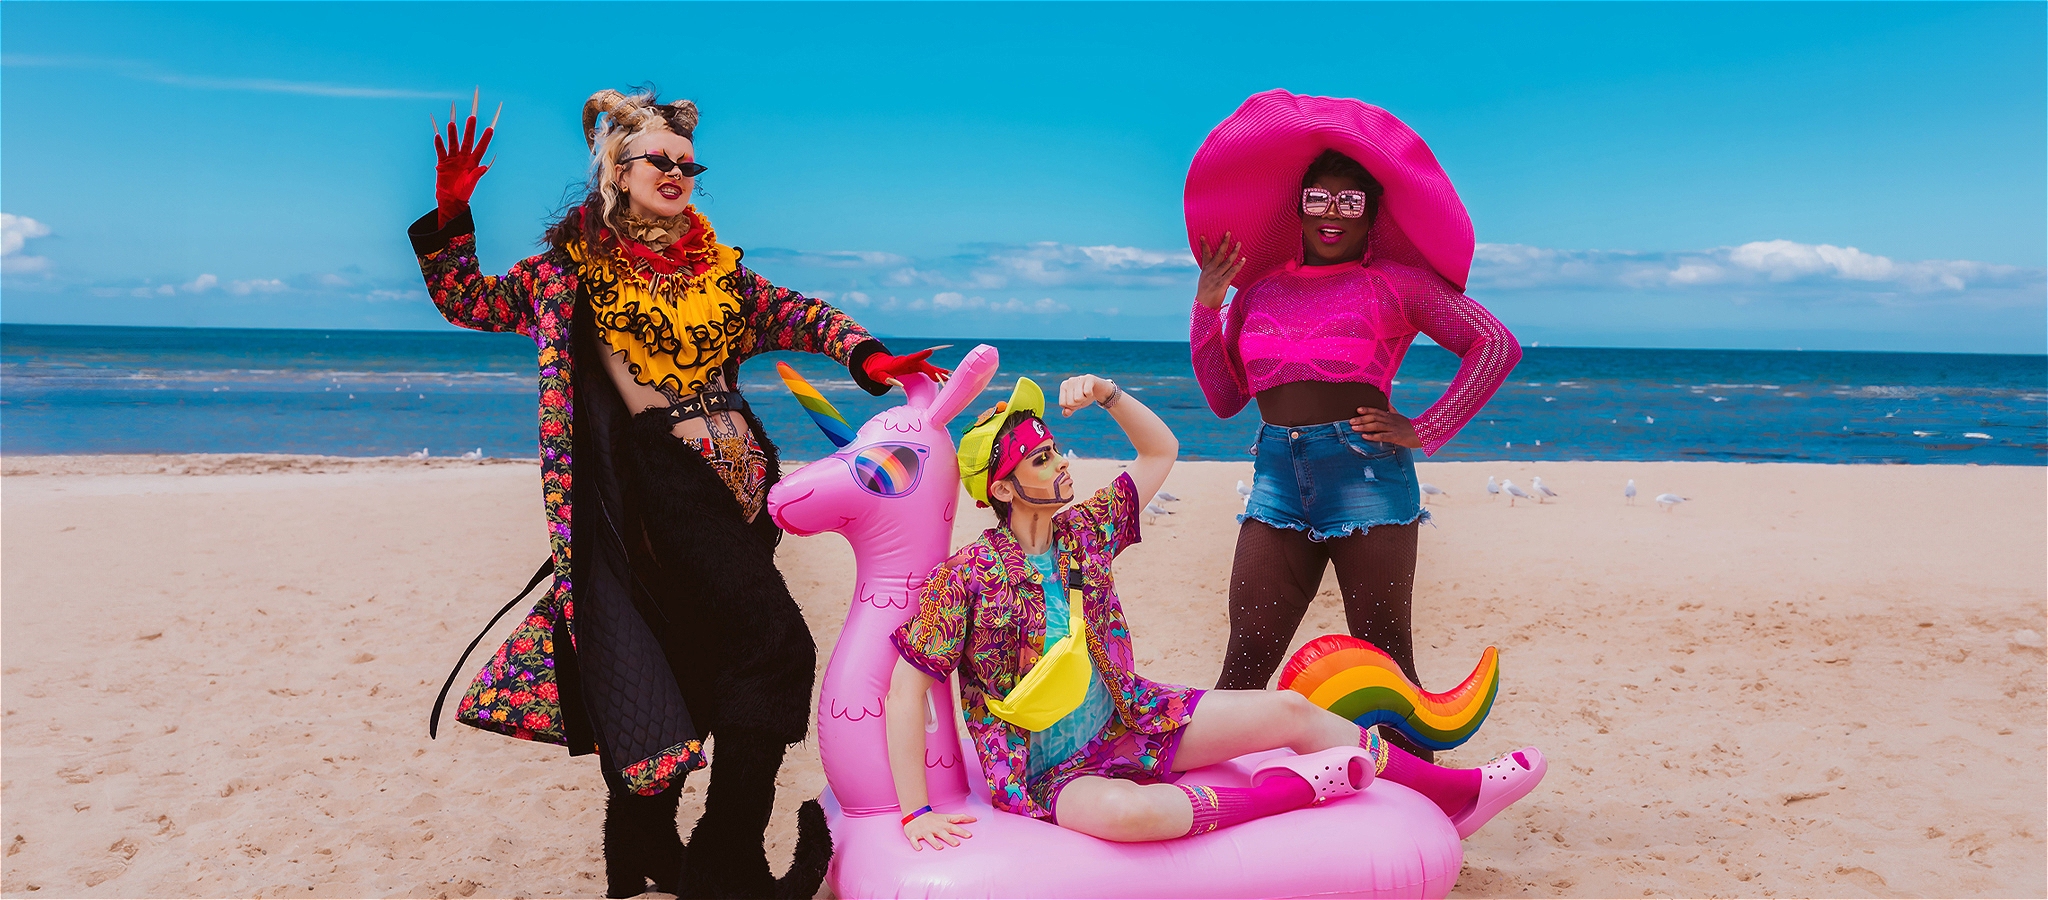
x,y
1043,466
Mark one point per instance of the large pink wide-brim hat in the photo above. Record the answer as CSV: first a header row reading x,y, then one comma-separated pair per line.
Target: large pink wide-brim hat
x,y
1246,180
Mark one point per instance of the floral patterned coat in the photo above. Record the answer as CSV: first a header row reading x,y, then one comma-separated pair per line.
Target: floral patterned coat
x,y
983,612
518,693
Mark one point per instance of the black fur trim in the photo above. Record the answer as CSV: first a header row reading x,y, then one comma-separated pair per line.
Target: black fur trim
x,y
813,855
723,570
641,843
727,857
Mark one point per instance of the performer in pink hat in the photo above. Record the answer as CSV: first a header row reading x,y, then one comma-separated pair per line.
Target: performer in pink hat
x,y
1344,239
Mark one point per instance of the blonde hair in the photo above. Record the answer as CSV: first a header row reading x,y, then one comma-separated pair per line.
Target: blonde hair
x,y
612,121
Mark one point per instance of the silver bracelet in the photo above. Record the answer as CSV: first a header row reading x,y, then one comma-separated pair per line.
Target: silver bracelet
x,y
1115,393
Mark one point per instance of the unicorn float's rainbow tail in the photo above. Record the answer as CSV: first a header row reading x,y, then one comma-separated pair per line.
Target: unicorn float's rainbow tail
x,y
823,413
1360,682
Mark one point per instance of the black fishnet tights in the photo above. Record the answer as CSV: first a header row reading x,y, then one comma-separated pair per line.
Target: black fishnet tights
x,y
1274,579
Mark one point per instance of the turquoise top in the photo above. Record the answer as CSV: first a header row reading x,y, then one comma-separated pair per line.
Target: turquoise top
x,y
1072,732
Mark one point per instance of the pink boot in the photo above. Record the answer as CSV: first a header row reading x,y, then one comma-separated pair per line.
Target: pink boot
x,y
1503,781
1336,772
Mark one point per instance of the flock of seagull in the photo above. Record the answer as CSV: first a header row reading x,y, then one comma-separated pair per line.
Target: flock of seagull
x,y
1540,492
422,453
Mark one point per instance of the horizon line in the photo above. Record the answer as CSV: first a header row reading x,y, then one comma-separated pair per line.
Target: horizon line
x,y
452,330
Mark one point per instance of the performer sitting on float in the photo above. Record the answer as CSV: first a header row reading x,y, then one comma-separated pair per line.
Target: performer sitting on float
x,y
1065,729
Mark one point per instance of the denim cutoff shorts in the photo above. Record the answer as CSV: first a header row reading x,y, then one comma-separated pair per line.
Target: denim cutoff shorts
x,y
1330,481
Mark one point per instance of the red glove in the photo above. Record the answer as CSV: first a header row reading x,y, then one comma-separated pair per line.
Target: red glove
x,y
456,170
887,369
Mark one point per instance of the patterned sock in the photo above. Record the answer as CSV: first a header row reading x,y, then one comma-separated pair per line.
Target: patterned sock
x,y
1370,741
1222,807
1452,790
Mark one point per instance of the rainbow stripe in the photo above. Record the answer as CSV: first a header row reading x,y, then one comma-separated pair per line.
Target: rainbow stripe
x,y
1360,682
822,412
890,470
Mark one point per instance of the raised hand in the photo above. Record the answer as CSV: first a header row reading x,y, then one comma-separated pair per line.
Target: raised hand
x,y
458,160
1082,390
1219,266
886,369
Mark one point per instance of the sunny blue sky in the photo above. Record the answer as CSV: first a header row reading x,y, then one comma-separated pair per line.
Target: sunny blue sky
x,y
1639,175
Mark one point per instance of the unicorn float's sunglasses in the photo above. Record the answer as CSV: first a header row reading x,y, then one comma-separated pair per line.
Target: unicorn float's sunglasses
x,y
663,164
1319,202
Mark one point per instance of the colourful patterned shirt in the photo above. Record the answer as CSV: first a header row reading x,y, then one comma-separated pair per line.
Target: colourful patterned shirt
x,y
517,692
983,612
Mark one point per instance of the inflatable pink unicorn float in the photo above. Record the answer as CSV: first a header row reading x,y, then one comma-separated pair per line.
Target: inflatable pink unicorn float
x,y
892,491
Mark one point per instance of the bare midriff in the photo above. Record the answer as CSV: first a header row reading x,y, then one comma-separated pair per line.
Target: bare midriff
x,y
640,397
1316,402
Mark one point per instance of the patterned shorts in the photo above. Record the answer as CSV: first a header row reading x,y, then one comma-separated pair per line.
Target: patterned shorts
x,y
1117,752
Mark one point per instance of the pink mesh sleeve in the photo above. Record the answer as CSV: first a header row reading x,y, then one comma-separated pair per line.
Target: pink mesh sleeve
x,y
1219,379
1486,350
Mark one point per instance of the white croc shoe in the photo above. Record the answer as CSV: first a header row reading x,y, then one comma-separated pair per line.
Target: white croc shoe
x,y
1336,772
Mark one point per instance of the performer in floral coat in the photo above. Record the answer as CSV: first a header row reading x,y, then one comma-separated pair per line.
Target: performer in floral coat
x,y
668,621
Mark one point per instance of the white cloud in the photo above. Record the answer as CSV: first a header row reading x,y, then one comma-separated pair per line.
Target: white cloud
x,y
828,259
200,285
146,72
1777,267
15,233
256,286
998,267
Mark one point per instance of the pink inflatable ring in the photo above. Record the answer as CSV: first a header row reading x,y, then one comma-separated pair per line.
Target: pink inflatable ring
x,y
1386,841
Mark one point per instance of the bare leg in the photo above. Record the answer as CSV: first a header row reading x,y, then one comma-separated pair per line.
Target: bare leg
x,y
1273,579
1230,724
1376,571
1117,810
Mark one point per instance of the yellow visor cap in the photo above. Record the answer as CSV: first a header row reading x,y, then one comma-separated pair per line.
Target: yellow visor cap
x,y
980,440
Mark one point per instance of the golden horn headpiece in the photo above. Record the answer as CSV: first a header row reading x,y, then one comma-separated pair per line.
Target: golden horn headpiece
x,y
625,112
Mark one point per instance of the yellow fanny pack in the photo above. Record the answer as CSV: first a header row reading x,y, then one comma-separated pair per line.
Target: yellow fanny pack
x,y
1058,682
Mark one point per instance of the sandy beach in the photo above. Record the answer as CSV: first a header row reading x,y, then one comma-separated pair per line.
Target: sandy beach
x,y
1806,681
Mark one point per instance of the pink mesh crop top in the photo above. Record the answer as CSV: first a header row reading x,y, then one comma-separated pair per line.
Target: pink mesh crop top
x,y
1350,323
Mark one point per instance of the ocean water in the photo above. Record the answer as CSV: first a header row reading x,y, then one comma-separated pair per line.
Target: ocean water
x,y
84,390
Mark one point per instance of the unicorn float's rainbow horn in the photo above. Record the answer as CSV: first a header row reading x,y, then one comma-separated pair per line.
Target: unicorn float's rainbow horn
x,y
822,411
1360,682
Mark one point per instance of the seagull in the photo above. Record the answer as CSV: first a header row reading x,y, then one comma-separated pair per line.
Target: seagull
x,y
1629,492
1716,399
478,453
1492,489
423,454
1514,492
1649,420
1430,490
1541,491
1670,500
1072,456
1155,510
1166,497
1549,399
1245,491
